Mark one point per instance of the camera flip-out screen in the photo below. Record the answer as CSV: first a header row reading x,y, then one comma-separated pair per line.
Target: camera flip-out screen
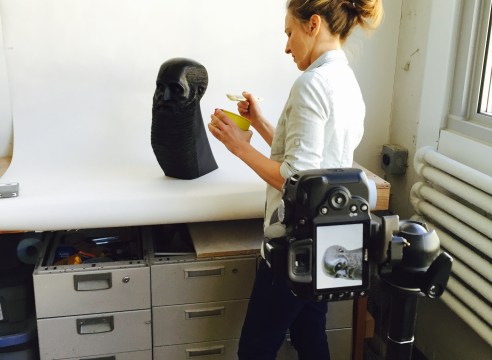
x,y
339,257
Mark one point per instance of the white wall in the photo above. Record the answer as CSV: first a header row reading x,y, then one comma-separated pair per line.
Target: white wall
x,y
373,57
83,71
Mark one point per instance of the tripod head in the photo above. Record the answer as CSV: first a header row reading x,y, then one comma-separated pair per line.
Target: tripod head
x,y
409,257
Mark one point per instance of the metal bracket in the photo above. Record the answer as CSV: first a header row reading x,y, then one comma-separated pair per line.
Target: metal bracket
x,y
9,190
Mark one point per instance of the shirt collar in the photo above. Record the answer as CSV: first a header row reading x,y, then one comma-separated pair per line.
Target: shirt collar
x,y
329,56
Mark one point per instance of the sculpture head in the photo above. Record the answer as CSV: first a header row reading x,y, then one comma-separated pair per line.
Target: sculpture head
x,y
180,85
178,134
342,263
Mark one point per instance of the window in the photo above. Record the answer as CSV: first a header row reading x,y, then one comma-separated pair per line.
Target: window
x,y
471,101
485,98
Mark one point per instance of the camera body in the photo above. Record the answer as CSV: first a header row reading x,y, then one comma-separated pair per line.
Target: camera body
x,y
324,254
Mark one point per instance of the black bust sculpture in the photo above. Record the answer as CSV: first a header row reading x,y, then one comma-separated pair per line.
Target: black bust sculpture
x,y
178,134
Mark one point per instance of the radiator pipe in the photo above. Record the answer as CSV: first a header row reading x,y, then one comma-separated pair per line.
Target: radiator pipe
x,y
470,217
428,154
471,236
471,278
457,187
466,296
472,320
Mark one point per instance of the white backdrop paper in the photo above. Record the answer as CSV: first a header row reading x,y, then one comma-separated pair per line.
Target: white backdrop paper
x,y
82,76
83,71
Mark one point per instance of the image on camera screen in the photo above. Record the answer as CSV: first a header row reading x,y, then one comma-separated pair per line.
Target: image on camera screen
x,y
339,256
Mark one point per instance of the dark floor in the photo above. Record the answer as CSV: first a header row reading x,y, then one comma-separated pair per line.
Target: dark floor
x,y
370,354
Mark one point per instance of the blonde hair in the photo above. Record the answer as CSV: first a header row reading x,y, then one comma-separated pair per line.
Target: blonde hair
x,y
342,16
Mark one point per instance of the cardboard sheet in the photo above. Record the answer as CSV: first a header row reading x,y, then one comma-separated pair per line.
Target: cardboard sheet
x,y
226,238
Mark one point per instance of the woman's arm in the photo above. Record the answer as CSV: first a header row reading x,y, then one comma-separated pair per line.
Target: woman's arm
x,y
267,169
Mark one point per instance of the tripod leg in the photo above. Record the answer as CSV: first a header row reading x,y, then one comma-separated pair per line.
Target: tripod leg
x,y
403,314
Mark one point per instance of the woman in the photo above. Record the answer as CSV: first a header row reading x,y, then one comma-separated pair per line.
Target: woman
x,y
320,127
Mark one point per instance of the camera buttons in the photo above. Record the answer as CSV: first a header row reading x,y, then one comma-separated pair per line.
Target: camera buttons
x,y
364,207
353,208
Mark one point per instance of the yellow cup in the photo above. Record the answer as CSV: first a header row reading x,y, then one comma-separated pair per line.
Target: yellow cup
x,y
239,120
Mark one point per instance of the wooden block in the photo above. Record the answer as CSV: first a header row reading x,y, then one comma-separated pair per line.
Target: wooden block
x,y
382,186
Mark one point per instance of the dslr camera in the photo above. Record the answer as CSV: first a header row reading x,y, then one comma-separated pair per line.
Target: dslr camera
x,y
324,254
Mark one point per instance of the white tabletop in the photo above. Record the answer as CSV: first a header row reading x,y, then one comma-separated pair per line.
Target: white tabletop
x,y
79,196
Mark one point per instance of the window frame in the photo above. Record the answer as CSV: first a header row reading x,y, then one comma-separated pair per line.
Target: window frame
x,y
463,116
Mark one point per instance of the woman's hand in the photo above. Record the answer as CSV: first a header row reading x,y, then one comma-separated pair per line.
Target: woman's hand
x,y
250,109
228,133
237,142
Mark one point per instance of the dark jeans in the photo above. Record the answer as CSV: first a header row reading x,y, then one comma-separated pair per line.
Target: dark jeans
x,y
272,310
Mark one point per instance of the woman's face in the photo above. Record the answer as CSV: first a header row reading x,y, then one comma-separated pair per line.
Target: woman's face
x,y
299,43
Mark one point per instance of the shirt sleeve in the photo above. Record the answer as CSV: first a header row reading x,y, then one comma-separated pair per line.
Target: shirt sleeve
x,y
307,113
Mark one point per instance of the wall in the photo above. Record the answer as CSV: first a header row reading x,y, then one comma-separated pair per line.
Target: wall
x,y
421,98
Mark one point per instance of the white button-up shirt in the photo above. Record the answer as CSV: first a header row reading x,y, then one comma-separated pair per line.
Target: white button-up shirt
x,y
322,122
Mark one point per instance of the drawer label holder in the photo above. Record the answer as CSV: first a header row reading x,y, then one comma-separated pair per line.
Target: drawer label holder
x,y
92,282
95,325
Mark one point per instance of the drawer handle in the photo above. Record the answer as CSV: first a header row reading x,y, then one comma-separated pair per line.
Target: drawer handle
x,y
96,325
101,358
212,350
201,313
203,272
92,282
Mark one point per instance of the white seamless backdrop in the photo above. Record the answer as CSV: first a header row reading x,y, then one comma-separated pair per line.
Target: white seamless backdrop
x,y
82,75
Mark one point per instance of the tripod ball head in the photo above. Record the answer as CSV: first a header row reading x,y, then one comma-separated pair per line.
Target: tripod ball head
x,y
418,265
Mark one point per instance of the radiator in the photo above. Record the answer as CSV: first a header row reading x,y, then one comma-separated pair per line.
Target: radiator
x,y
456,201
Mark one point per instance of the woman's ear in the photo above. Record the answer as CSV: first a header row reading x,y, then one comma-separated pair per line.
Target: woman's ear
x,y
314,24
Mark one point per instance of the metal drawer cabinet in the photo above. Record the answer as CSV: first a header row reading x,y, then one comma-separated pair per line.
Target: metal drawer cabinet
x,y
179,277
116,278
108,333
201,322
190,281
340,314
216,350
92,295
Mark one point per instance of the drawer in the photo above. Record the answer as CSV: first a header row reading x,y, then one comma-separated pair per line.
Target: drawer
x,y
203,322
202,280
216,350
117,283
109,333
340,314
339,342
134,355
